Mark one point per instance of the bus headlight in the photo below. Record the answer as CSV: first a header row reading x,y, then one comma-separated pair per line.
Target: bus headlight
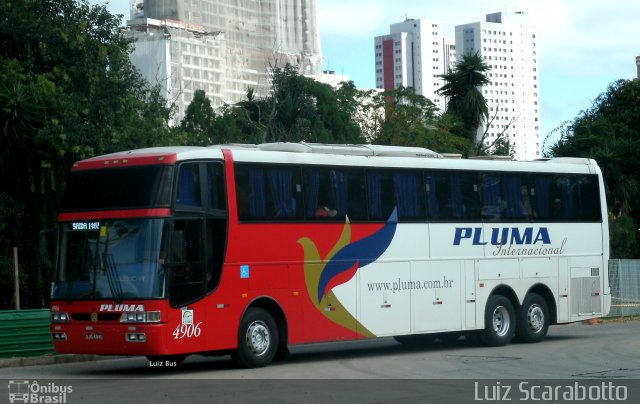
x,y
58,317
140,317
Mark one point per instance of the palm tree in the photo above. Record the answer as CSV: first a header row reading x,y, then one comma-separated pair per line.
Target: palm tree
x,y
462,89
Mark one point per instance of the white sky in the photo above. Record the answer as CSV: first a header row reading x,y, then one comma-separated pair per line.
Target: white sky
x,y
583,45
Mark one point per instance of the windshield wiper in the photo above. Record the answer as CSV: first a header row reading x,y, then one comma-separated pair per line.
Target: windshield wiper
x,y
112,276
79,266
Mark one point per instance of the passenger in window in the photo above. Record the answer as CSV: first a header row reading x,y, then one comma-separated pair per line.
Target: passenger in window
x,y
556,208
286,210
525,203
325,211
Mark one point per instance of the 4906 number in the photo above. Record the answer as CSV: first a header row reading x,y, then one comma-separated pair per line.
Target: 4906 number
x,y
187,331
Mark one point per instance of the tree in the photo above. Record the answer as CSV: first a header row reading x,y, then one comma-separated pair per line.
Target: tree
x,y
198,120
464,98
609,132
407,117
400,117
67,91
297,109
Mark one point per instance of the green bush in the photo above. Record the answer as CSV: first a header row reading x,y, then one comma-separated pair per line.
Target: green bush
x,y
622,237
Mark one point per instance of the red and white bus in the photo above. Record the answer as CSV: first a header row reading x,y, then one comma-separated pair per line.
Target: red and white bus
x,y
167,252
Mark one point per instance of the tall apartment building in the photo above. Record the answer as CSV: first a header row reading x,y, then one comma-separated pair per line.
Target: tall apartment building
x,y
507,43
222,47
414,54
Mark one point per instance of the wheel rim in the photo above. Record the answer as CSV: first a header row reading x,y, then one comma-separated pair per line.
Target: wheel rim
x,y
535,318
258,338
501,321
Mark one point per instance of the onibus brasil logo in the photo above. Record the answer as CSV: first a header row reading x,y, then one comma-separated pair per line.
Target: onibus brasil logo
x,y
25,391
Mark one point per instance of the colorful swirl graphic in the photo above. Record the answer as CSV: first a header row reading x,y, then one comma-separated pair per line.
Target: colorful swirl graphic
x,y
340,265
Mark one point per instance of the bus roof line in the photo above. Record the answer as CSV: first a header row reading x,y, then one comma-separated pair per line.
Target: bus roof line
x,y
342,149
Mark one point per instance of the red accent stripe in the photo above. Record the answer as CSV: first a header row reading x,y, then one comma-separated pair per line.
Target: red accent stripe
x,y
114,214
232,203
124,160
388,64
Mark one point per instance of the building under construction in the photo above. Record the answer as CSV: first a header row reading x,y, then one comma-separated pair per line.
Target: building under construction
x,y
223,47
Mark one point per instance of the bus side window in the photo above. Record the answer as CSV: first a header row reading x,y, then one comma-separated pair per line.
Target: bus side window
x,y
515,190
334,192
216,238
268,192
380,194
553,200
215,186
284,192
388,189
589,198
185,263
188,190
493,205
452,195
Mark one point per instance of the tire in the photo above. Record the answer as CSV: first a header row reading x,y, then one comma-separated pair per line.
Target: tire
x,y
257,339
416,340
533,319
499,322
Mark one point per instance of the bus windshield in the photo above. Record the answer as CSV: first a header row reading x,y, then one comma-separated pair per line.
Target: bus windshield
x,y
111,259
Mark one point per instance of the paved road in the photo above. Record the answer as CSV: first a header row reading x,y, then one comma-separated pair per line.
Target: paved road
x,y
369,371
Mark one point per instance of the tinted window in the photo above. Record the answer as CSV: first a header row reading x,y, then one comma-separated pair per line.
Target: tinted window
x,y
185,263
505,197
216,195
565,197
118,188
334,192
452,195
389,189
188,192
265,192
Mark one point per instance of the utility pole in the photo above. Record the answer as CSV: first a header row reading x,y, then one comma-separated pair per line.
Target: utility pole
x,y
16,278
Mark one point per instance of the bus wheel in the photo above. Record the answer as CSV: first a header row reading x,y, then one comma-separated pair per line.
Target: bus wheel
x,y
533,320
499,322
257,339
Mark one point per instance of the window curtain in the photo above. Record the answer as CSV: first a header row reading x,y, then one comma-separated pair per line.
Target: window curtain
x,y
339,190
257,203
281,186
313,192
512,191
433,207
457,204
568,203
188,186
491,208
374,192
407,195
541,186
